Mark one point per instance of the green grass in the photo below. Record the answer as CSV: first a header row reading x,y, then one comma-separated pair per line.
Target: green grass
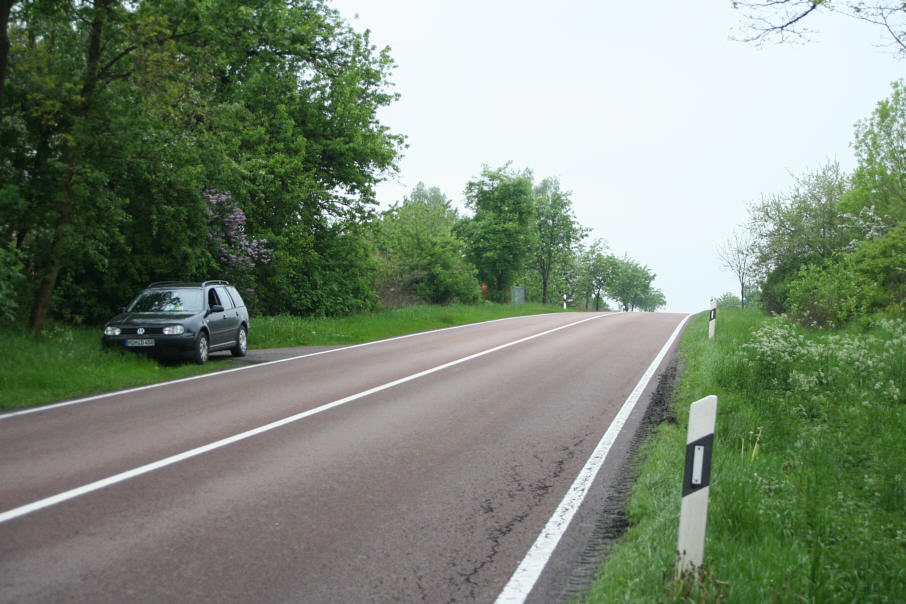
x,y
69,362
808,495
280,331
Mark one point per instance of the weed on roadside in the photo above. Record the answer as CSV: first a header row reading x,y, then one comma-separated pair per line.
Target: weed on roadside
x,y
808,495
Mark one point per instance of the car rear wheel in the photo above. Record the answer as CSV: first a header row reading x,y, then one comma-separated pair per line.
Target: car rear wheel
x,y
242,343
200,353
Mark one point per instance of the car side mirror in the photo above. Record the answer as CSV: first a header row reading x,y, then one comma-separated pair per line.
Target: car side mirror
x,y
217,308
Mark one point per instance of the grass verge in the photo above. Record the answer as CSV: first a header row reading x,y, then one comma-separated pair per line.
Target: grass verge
x,y
67,362
280,331
808,495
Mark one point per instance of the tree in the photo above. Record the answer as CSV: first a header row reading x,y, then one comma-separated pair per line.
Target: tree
x,y
652,301
630,286
879,181
499,235
736,256
784,20
422,257
558,231
599,270
796,228
275,102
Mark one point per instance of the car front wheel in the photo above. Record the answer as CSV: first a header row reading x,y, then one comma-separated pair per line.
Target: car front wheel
x,y
200,354
242,343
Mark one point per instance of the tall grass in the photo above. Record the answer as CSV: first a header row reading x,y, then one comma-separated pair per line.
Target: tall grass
x,y
67,362
808,487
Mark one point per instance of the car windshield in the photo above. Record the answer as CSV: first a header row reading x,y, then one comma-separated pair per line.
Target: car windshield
x,y
168,300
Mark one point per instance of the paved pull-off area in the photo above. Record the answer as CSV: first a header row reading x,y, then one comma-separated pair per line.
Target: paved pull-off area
x,y
421,468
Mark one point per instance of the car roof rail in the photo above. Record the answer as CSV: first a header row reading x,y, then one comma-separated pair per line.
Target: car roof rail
x,y
168,283
188,283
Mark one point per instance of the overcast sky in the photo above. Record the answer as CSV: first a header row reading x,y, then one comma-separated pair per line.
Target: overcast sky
x,y
662,127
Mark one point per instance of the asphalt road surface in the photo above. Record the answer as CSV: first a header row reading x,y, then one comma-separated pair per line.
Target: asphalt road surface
x,y
421,468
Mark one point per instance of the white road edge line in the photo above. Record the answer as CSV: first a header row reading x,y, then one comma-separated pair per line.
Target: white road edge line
x,y
529,570
123,476
88,399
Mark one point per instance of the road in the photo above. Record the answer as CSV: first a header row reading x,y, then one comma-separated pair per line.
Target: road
x,y
420,468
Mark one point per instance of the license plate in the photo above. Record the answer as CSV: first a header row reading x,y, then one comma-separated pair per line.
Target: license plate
x,y
140,342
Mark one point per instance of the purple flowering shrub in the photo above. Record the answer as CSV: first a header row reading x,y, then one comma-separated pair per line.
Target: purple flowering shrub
x,y
235,251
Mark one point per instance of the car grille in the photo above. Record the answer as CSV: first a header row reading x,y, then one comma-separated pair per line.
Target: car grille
x,y
151,331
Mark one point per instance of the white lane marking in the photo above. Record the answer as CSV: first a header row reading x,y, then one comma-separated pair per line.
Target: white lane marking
x,y
529,570
88,399
123,476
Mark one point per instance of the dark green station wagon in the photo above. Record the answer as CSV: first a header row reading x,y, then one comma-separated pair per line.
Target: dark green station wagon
x,y
173,318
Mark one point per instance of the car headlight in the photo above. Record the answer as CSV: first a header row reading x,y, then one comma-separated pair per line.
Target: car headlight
x,y
110,330
174,330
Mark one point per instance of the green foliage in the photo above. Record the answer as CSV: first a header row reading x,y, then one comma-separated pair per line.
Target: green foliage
x,y
420,254
500,234
729,300
882,262
10,277
276,103
799,227
624,280
558,233
322,273
630,285
830,294
807,477
879,182
592,274
831,250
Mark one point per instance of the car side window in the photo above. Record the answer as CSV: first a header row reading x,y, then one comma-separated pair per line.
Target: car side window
x,y
234,293
225,299
213,300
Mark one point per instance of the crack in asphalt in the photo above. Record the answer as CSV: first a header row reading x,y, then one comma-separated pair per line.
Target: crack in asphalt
x,y
518,487
612,521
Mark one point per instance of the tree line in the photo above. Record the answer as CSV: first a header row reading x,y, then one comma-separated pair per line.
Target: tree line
x,y
833,247
516,232
186,139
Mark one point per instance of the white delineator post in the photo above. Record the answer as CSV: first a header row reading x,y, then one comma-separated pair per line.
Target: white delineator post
x,y
696,481
713,320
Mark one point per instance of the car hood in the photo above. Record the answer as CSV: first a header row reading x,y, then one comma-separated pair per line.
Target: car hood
x,y
145,318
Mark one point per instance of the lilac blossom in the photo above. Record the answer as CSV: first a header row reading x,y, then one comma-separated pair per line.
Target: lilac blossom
x,y
237,252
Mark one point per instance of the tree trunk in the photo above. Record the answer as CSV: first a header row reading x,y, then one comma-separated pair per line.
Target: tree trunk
x,y
61,233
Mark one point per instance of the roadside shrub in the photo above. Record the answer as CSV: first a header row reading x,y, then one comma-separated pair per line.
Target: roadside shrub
x,y
883,262
830,295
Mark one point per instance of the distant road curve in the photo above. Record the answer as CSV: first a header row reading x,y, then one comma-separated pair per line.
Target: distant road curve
x,y
420,468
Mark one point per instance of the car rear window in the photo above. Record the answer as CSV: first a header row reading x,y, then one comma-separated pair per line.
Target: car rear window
x,y
168,300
